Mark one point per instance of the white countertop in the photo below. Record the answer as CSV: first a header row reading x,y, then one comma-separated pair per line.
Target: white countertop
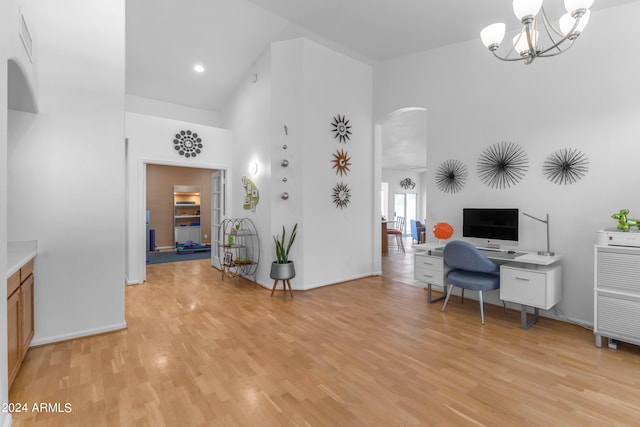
x,y
20,253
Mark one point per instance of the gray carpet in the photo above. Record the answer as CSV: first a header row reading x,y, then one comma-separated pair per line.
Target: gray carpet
x,y
161,257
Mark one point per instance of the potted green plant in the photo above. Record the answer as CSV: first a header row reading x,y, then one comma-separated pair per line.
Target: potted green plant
x,y
282,268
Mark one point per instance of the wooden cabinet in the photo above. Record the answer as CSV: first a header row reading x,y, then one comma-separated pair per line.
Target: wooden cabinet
x,y
20,291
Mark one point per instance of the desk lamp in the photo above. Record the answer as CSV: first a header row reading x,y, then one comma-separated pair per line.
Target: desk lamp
x,y
547,252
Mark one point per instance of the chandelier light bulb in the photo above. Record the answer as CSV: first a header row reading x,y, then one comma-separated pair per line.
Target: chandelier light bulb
x,y
492,35
521,45
567,21
527,8
572,5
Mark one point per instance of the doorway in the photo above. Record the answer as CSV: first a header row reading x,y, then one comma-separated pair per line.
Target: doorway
x,y
162,211
406,206
401,152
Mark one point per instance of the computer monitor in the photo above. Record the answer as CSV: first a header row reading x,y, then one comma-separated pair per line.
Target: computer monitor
x,y
492,225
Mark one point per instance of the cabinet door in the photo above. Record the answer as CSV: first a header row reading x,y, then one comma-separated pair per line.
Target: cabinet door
x,y
13,334
26,313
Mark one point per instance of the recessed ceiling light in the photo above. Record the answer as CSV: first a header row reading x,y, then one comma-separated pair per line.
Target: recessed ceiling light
x,y
199,68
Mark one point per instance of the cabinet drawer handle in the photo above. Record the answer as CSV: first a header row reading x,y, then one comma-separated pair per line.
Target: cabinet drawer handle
x,y
523,278
427,263
427,275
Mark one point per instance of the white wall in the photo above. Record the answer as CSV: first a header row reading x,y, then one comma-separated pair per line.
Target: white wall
x,y
167,110
583,99
5,418
23,76
304,85
150,140
66,169
248,115
311,85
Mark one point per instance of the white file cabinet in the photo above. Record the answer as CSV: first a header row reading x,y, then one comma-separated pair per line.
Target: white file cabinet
x,y
430,269
616,294
537,286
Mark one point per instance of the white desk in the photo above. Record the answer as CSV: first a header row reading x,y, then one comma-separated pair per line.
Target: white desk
x,y
526,278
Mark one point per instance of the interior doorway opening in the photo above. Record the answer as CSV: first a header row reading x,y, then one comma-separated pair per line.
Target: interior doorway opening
x,y
171,218
401,144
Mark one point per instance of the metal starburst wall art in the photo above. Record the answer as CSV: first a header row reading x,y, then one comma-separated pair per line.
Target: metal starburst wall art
x,y
451,176
502,165
341,162
341,128
341,195
565,166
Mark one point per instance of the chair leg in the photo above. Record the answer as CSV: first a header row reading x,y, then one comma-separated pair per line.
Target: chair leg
x,y
462,296
400,240
446,300
481,306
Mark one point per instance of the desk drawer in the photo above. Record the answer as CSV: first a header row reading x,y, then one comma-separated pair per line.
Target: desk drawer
x,y
523,287
429,263
429,269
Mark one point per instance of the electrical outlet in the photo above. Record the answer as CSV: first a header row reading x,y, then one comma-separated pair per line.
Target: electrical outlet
x,y
205,236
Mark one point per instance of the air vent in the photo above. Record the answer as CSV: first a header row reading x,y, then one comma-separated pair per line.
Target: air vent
x,y
25,36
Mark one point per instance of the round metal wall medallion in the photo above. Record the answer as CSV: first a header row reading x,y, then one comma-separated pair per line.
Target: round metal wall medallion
x,y
187,143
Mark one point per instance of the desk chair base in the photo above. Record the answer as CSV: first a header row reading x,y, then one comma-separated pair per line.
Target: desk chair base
x,y
481,301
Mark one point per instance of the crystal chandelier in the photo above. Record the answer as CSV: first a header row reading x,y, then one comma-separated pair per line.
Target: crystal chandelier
x,y
527,44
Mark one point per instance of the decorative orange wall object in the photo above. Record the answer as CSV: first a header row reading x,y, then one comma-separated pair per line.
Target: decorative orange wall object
x,y
442,230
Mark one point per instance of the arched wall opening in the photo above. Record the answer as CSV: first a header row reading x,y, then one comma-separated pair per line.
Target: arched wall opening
x,y
21,95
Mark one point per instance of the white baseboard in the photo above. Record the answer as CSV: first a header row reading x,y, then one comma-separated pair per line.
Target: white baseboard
x,y
78,334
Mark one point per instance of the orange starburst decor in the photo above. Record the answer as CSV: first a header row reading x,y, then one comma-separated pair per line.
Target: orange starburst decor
x,y
442,230
341,162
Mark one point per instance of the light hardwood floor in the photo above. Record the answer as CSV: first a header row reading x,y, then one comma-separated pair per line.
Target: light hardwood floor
x,y
200,351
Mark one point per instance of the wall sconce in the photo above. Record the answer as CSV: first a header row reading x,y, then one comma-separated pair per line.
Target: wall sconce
x,y
253,168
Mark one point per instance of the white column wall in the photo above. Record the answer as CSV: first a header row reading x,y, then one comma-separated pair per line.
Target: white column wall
x,y
66,169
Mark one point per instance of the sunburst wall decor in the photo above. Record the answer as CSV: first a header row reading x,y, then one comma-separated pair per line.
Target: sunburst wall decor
x,y
502,165
341,162
341,195
565,166
187,143
341,128
451,176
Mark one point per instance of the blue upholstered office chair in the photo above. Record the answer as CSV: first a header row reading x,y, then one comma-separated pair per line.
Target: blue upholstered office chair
x,y
471,269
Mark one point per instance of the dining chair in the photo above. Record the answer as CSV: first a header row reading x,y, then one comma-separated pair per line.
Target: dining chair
x,y
398,233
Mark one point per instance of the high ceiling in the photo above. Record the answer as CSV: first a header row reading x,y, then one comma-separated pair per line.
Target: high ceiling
x,y
166,38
